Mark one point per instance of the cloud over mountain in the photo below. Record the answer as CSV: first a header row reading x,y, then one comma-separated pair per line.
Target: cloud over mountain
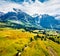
x,y
51,7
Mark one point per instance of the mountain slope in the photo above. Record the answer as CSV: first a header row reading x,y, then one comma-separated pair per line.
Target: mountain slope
x,y
20,19
49,22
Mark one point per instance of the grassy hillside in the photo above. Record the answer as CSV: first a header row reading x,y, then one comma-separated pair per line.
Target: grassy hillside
x,y
26,43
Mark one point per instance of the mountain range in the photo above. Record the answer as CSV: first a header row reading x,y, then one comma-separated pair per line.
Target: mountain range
x,y
20,19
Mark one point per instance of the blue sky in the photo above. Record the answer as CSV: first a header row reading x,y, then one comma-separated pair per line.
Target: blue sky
x,y
51,7
21,1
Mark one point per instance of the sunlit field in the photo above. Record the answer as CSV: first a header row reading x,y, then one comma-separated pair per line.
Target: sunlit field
x,y
18,42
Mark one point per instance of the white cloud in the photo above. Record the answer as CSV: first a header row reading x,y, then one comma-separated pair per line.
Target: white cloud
x,y
8,6
51,7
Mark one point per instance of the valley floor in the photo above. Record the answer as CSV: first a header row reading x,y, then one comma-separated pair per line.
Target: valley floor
x,y
15,42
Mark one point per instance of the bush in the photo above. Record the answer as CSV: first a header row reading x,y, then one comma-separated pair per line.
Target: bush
x,y
58,37
41,38
35,37
38,36
31,39
44,39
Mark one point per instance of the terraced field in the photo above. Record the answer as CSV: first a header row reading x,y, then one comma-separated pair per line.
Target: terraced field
x,y
17,42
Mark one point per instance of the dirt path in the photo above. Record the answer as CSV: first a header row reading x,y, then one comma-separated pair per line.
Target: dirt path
x,y
51,51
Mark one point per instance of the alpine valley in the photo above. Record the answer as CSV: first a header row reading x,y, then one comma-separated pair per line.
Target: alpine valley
x,y
29,28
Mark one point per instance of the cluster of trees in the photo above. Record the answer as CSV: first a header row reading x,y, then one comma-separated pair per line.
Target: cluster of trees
x,y
55,39
42,37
